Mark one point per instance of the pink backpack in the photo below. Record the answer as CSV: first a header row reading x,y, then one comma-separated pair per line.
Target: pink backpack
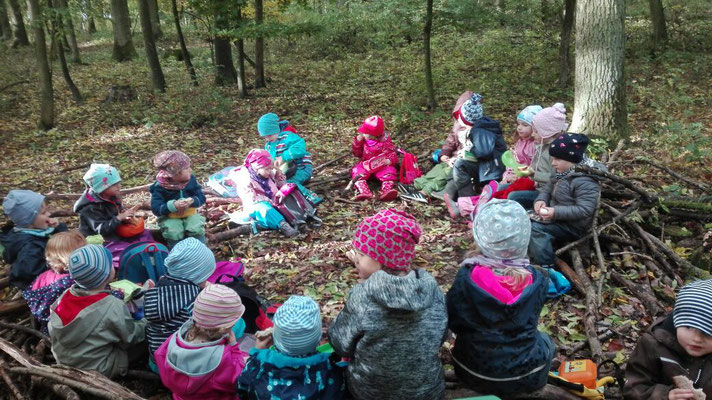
x,y
409,169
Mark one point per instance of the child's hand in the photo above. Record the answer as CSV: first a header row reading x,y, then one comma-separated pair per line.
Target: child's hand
x,y
279,197
52,222
538,205
444,159
263,339
546,213
678,394
359,137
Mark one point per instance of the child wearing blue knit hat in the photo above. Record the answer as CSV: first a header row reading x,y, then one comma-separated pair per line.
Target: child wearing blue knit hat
x,y
293,361
91,329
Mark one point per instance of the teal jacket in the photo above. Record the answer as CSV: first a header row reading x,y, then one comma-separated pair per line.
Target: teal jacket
x,y
290,146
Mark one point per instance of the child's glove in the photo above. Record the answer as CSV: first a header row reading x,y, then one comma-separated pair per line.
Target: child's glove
x,y
138,314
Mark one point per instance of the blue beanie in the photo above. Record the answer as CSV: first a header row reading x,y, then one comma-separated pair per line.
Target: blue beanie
x,y
693,306
528,113
297,326
22,207
100,176
471,110
268,124
90,266
191,260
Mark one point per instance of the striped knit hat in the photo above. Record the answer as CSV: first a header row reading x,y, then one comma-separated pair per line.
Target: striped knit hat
x,y
471,110
297,326
90,266
191,260
217,306
693,307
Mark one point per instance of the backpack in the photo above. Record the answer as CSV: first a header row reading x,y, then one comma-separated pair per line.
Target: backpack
x,y
295,208
221,182
409,169
257,315
141,261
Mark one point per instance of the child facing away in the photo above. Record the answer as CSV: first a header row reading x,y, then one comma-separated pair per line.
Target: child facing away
x,y
378,160
565,206
49,285
101,212
292,368
25,238
679,344
394,320
494,305
91,329
258,185
175,197
203,359
169,304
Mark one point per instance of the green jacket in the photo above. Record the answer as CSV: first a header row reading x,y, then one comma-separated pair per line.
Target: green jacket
x,y
93,331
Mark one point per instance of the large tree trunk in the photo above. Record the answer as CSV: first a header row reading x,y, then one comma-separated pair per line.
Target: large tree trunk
x,y
91,25
46,96
225,73
123,44
155,20
157,80
567,25
56,24
183,47
5,22
72,35
599,100
426,39
240,44
19,25
657,16
259,48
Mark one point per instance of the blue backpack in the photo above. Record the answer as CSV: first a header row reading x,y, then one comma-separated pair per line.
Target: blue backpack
x,y
141,261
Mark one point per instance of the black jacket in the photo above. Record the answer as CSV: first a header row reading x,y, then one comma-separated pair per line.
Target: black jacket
x,y
98,216
26,253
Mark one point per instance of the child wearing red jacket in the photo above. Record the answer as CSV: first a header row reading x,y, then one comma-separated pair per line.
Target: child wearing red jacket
x,y
378,159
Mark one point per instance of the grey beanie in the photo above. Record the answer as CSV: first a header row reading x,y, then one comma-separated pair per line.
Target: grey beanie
x,y
502,229
22,207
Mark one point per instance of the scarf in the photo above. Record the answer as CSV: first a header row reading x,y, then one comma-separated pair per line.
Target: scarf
x,y
264,182
35,232
165,180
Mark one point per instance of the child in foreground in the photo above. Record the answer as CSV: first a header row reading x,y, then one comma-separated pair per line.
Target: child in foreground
x,y
394,320
675,348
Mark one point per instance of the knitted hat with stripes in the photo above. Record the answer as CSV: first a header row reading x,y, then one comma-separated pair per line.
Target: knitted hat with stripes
x,y
90,266
693,307
297,326
191,260
217,306
471,110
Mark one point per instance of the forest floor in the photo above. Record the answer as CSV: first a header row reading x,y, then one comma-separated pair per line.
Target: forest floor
x,y
326,97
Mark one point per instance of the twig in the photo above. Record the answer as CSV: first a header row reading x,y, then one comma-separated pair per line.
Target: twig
x,y
74,196
647,197
590,315
599,254
615,219
14,84
76,167
347,201
326,164
26,329
703,187
648,299
84,387
686,265
13,389
570,275
620,253
601,338
13,306
616,152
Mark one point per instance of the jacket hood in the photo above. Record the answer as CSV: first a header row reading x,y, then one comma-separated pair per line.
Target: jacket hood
x,y
197,361
78,330
87,198
663,330
489,124
413,292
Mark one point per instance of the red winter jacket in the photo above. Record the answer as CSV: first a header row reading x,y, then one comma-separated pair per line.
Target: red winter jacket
x,y
383,149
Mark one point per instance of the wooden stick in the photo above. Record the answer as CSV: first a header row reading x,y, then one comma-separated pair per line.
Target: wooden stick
x,y
599,254
703,187
601,338
326,164
641,292
75,196
12,306
615,219
647,197
84,387
570,275
590,315
616,152
5,377
686,265
26,329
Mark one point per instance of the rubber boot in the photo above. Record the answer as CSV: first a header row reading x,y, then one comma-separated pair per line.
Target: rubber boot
x,y
364,193
452,207
287,230
388,191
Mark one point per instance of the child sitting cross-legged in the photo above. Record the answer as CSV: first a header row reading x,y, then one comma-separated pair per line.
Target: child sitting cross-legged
x,y
292,368
90,328
494,305
673,358
203,359
378,160
394,320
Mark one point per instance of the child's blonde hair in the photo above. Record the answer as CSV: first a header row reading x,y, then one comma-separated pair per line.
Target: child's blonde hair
x,y
518,277
60,246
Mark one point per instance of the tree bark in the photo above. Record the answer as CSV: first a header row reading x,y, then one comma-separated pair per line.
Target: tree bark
x,y
567,25
56,25
599,100
5,22
46,95
259,47
158,82
657,17
426,47
91,25
19,25
72,35
123,44
155,20
183,47
225,73
240,44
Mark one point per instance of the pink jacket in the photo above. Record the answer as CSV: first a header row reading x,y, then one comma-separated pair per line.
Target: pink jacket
x,y
251,192
496,285
205,371
384,148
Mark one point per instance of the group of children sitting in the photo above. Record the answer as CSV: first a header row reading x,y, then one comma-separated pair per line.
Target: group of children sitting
x,y
385,342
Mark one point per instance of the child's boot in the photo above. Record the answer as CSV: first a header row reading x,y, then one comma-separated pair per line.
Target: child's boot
x,y
388,191
364,193
287,230
452,207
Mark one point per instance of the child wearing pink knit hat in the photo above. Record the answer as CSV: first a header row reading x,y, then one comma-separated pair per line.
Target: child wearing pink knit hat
x,y
394,320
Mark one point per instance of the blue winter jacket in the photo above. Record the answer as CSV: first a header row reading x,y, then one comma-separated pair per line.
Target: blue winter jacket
x,y
162,199
488,145
26,254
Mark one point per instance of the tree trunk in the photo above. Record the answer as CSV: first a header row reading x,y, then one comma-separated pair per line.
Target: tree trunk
x,y
5,22
259,48
56,24
599,100
183,47
565,45
72,35
46,96
123,44
155,20
426,39
657,16
158,82
225,73
240,44
91,25
19,25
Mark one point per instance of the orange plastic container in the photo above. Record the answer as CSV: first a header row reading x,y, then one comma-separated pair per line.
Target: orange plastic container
x,y
579,371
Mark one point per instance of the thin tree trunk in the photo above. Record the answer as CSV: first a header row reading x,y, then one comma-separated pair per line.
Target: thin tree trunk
x,y
657,16
157,80
72,35
426,39
155,20
5,22
565,45
599,100
259,47
19,25
123,44
56,24
46,96
240,44
183,47
91,25
225,73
